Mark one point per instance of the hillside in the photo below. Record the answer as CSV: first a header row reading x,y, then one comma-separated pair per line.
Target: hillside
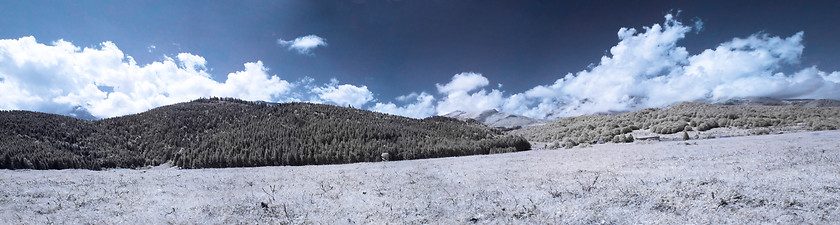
x,y
693,117
766,101
233,133
494,118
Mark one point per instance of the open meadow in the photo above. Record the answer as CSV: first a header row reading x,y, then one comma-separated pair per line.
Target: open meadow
x,y
791,178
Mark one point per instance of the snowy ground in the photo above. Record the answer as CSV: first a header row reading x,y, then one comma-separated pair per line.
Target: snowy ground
x,y
791,178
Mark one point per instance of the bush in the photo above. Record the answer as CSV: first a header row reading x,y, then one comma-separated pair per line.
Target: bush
x,y
669,127
629,138
708,125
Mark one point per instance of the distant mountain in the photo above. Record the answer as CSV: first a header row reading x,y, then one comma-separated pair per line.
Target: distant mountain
x,y
80,113
494,118
234,133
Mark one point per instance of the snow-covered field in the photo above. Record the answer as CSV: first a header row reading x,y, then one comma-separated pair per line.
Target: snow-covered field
x,y
789,178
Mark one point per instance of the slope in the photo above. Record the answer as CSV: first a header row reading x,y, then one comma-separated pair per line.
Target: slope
x,y
234,133
682,117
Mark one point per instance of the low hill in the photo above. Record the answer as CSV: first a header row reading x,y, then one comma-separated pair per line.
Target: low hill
x,y
234,133
494,118
685,117
766,101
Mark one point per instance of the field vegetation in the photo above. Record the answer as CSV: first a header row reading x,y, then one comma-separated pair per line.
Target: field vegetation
x,y
769,179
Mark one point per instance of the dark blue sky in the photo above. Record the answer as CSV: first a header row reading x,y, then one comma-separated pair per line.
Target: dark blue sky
x,y
398,47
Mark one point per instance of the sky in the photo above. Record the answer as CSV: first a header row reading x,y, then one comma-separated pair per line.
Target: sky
x,y
543,59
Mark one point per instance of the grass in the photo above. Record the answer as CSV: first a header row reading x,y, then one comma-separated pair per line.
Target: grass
x,y
789,179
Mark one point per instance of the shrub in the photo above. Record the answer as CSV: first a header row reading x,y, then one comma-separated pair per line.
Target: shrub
x,y
708,125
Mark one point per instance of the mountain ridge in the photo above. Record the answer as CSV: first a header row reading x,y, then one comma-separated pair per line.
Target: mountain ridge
x,y
494,118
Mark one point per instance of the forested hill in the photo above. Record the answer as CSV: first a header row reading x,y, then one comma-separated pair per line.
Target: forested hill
x,y
686,117
234,133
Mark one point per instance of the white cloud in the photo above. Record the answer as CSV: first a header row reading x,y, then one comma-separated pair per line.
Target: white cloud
x,y
463,82
698,25
344,94
470,102
192,62
459,94
422,107
59,77
462,93
833,77
305,44
644,69
409,97
252,84
649,69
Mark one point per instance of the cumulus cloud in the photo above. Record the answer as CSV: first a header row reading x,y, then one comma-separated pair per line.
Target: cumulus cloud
x,y
409,97
460,95
463,82
648,69
344,94
421,106
305,44
464,93
61,77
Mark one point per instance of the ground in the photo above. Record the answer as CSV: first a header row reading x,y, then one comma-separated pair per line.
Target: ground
x,y
790,178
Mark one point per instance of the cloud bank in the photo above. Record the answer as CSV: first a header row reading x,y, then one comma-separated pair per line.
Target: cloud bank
x,y
457,92
648,69
343,95
63,78
305,44
417,106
